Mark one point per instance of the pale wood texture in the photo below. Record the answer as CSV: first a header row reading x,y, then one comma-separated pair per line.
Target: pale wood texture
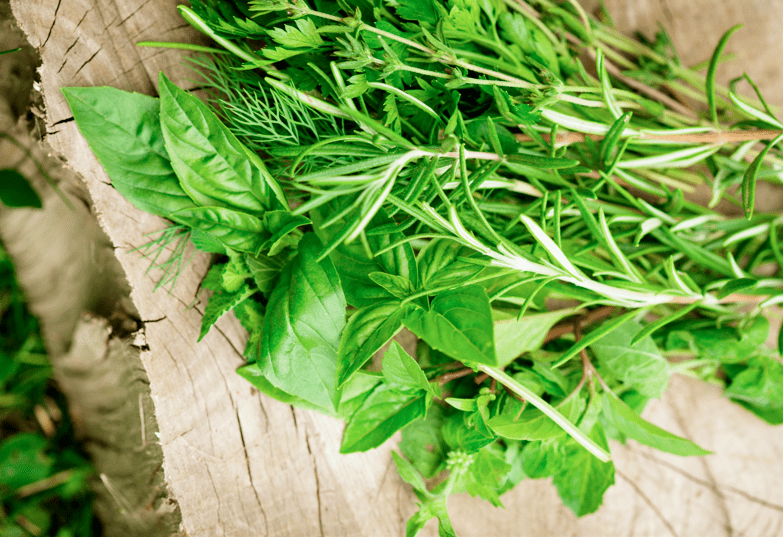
x,y
240,464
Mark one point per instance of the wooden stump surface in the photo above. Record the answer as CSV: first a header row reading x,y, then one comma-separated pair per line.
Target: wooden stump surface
x,y
240,464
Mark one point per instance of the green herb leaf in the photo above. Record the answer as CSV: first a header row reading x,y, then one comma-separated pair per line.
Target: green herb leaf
x,y
459,324
382,414
220,303
264,270
634,426
759,388
423,444
123,130
711,70
234,229
535,425
305,317
514,337
402,373
640,366
367,331
252,373
583,479
213,167
543,458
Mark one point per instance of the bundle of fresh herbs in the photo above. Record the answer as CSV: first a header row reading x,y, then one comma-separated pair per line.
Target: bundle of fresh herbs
x,y
509,181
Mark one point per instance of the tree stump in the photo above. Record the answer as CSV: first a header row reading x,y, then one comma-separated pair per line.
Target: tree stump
x,y
240,464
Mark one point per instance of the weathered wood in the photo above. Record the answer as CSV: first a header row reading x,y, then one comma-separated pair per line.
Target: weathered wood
x,y
240,464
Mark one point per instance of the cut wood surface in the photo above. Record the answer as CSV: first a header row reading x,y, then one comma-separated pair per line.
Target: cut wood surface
x,y
240,464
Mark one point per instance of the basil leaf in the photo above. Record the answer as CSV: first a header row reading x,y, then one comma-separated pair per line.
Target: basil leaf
x,y
640,366
459,324
460,435
395,285
280,224
402,373
213,167
728,344
409,473
583,479
304,319
440,266
356,391
123,130
367,331
252,373
634,426
15,191
514,337
382,414
535,425
236,230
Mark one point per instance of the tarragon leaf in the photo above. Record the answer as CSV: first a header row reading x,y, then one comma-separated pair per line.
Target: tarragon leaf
x,y
625,420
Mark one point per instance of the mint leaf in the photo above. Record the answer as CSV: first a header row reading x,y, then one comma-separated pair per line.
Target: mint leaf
x,y
423,444
728,344
583,479
625,420
759,388
513,338
219,303
640,366
542,458
535,425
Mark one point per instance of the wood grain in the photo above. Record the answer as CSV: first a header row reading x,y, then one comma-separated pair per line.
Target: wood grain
x,y
240,464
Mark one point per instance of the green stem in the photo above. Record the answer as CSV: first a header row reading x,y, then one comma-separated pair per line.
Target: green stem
x,y
572,430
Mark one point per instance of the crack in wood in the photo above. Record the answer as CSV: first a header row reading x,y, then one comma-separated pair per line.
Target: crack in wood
x,y
250,473
54,21
648,502
88,61
317,482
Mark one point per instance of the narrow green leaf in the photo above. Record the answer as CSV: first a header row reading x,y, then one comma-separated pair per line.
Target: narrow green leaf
x,y
547,163
123,130
712,69
408,473
749,179
15,190
304,319
663,321
625,420
736,286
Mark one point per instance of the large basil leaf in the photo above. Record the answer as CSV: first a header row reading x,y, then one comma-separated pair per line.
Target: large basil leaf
x,y
625,420
123,130
304,319
440,266
367,331
252,373
640,366
383,413
213,166
583,479
237,230
459,324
